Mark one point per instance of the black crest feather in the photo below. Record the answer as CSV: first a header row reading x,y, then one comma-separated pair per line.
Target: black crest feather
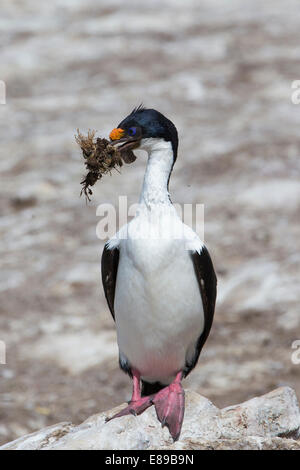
x,y
138,108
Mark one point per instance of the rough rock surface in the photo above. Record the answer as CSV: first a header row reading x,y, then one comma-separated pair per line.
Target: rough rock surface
x,y
271,421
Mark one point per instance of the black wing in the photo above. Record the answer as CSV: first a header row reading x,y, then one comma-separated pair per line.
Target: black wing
x,y
109,269
207,281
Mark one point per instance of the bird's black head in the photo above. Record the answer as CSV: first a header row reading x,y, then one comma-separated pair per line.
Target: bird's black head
x,y
142,124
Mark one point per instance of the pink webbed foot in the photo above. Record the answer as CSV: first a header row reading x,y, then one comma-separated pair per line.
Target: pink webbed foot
x,y
169,406
135,408
137,403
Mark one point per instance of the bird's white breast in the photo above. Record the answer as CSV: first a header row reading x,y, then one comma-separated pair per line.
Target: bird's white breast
x,y
158,306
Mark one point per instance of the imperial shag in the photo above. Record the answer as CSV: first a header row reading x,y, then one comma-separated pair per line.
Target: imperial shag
x,y
158,279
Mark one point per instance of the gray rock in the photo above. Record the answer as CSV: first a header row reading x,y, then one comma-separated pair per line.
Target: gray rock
x,y
271,421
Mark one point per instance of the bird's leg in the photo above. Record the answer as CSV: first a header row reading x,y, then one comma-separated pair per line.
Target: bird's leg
x,y
169,406
137,404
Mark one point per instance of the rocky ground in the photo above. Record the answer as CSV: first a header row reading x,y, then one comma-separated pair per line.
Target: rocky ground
x,y
222,72
271,421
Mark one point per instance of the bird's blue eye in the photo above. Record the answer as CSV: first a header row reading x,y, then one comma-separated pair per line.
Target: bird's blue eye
x,y
132,131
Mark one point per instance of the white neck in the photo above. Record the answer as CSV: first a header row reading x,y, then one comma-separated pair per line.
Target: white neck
x,y
160,161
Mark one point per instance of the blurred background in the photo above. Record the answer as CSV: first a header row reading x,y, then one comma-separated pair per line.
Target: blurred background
x,y
222,71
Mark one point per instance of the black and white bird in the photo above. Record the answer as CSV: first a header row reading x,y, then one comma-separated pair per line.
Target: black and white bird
x,y
158,279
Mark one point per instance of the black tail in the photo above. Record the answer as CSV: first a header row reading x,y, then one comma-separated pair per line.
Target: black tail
x,y
151,388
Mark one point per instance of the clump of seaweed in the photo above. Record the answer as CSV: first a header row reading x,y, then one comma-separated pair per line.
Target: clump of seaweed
x,y
100,158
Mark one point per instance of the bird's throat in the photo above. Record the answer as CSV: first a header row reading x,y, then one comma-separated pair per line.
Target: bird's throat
x,y
159,166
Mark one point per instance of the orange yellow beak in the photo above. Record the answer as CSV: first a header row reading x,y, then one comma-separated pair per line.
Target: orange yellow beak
x,y
116,134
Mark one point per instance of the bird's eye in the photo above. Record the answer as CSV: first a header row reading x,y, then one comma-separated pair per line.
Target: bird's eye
x,y
132,131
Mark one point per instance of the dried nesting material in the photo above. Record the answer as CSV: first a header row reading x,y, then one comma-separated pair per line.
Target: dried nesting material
x,y
100,158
